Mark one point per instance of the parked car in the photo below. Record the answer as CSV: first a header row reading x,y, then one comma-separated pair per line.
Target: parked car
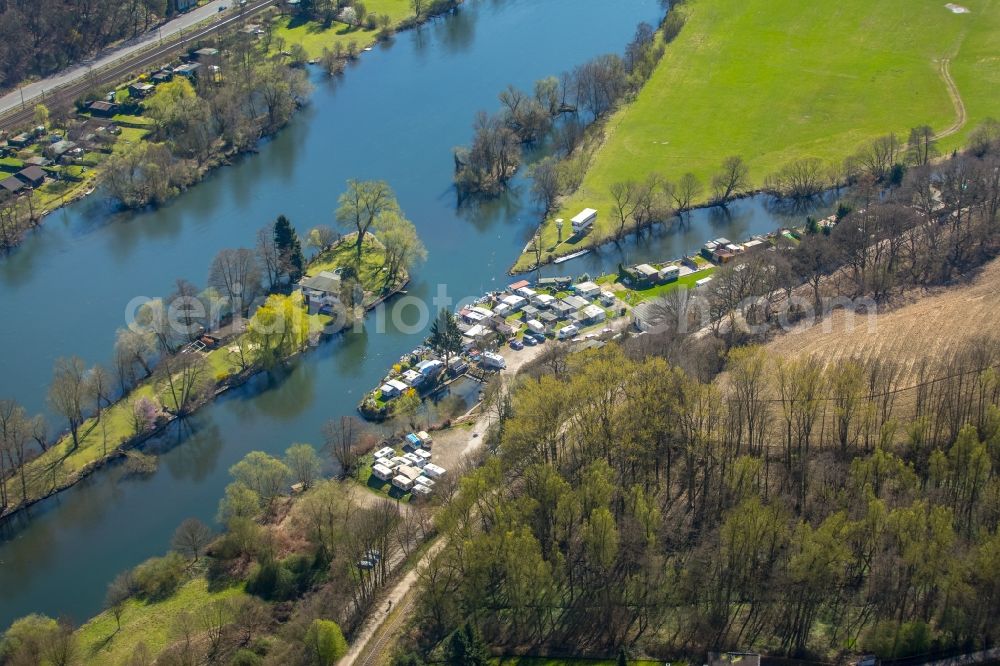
x,y
516,345
537,337
529,340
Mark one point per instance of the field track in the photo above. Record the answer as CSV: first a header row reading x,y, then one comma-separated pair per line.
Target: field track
x,y
961,116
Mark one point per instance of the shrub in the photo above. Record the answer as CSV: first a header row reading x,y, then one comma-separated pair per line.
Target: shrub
x,y
159,577
245,657
325,642
272,581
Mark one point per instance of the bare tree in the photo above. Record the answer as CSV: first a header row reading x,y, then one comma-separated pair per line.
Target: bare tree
x,y
921,147
132,347
191,538
344,438
235,274
68,393
268,255
362,204
627,199
731,179
184,378
684,192
119,592
545,185
15,433
800,179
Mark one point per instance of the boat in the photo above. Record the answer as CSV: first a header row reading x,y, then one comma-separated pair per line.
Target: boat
x,y
567,257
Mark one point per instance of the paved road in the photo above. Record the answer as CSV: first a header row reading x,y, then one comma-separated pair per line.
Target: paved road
x,y
165,31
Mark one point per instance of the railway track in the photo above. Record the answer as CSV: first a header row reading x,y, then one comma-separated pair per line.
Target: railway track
x,y
61,99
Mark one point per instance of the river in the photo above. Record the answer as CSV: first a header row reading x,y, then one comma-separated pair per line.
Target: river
x,y
396,115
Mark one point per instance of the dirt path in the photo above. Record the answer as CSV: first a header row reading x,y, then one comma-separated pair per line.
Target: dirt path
x,y
381,628
956,99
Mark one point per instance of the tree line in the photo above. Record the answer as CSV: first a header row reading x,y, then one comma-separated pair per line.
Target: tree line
x,y
935,223
558,108
196,124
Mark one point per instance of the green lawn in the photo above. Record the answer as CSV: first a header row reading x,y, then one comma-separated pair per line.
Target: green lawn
x,y
11,164
775,80
636,296
142,622
314,38
370,271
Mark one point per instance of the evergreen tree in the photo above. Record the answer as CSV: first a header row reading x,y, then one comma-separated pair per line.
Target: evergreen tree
x,y
286,239
466,648
446,337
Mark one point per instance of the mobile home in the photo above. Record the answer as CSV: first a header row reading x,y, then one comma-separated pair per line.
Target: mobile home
x,y
584,220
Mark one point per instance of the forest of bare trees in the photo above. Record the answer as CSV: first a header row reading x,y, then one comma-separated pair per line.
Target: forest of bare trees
x,y
40,37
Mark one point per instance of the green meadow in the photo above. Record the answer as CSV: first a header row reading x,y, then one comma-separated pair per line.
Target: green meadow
x,y
314,37
777,80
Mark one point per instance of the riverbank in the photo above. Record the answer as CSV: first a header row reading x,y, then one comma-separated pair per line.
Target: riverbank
x,y
70,180
717,58
102,259
145,411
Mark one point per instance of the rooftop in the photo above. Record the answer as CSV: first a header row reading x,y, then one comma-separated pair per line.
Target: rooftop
x,y
326,282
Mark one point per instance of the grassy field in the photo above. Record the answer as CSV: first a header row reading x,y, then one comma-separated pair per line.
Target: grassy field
x,y
370,271
314,38
142,622
776,80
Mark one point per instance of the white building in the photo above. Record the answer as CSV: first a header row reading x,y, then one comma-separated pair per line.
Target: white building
x,y
382,472
567,332
514,302
491,360
392,388
321,292
543,300
434,471
587,289
647,272
670,273
583,220
594,314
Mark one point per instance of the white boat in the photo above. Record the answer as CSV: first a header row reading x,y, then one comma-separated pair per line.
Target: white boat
x,y
570,256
